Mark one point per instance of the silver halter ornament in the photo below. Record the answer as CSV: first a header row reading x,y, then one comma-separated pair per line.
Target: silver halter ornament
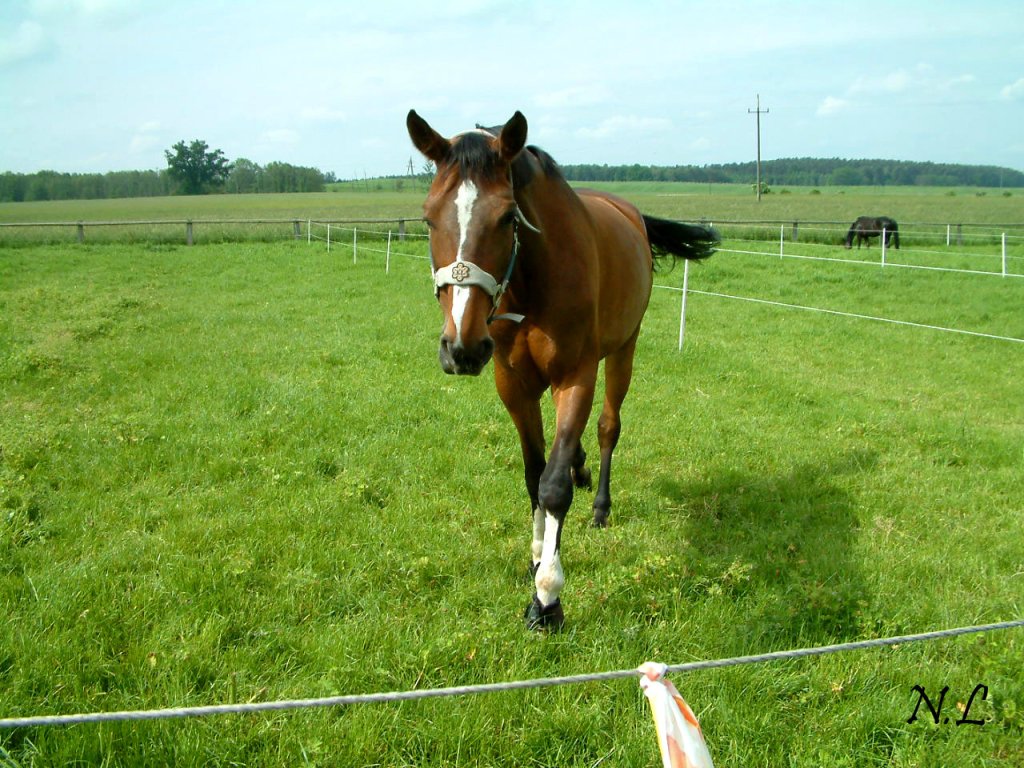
x,y
466,273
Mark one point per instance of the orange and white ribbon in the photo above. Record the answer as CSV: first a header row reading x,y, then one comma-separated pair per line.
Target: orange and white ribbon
x,y
679,735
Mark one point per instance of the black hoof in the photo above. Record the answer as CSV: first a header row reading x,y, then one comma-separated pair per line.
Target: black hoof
x,y
539,617
601,518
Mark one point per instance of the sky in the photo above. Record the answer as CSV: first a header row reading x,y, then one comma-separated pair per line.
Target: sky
x,y
109,85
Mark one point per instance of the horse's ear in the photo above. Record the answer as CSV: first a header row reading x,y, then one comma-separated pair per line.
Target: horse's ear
x,y
433,145
513,137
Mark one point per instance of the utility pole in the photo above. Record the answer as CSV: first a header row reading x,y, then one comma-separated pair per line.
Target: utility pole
x,y
758,112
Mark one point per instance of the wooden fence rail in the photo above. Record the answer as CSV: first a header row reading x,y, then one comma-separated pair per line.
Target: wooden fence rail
x,y
191,224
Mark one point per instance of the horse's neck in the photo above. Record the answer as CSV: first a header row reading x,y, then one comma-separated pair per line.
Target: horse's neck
x,y
546,260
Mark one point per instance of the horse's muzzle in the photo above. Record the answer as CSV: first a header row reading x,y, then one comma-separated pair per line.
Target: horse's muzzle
x,y
465,359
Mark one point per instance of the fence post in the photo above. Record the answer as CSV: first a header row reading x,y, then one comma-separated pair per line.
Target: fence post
x,y
782,240
401,230
1004,254
949,235
959,234
796,231
309,231
328,237
188,232
682,309
81,232
298,230
387,258
883,246
355,239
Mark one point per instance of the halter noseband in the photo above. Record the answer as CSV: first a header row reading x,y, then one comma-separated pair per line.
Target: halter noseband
x,y
467,273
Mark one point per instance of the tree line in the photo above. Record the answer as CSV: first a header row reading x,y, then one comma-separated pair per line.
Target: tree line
x,y
210,172
191,169
810,172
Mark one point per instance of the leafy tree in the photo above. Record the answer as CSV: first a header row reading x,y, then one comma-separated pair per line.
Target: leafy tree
x,y
245,177
195,168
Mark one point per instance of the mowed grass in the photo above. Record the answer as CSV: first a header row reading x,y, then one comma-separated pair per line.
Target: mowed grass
x,y
235,473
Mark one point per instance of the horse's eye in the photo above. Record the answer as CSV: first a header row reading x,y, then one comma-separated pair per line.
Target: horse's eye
x,y
508,219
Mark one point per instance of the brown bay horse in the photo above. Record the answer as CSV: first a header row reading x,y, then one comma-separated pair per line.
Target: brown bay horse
x,y
549,281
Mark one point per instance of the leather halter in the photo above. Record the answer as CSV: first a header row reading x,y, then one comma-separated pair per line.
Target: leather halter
x,y
466,273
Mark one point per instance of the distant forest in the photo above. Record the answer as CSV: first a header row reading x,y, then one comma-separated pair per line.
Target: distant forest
x,y
810,172
245,177
248,177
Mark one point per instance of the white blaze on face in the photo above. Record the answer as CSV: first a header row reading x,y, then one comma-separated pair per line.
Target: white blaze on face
x,y
464,202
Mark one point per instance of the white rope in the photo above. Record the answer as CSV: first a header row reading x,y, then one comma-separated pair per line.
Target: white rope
x,y
848,314
840,260
466,690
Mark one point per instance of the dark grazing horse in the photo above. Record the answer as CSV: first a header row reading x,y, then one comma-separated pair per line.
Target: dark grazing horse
x,y
549,281
866,227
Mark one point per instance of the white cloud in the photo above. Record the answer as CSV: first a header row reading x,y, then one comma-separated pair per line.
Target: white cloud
x,y
921,80
894,82
281,136
628,124
82,7
145,138
142,143
27,42
577,96
961,80
323,115
1013,91
831,106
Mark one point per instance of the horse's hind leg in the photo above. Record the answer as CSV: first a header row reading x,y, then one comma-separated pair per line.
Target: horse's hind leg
x,y
618,371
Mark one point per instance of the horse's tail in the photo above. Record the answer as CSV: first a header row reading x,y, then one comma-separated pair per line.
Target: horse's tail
x,y
850,233
678,240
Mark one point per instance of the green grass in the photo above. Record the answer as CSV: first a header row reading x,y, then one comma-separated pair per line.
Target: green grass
x,y
235,472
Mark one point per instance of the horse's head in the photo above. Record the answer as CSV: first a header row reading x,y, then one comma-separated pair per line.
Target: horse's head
x,y
472,216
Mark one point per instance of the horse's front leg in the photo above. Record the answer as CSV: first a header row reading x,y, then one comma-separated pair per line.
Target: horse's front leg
x,y
521,396
572,405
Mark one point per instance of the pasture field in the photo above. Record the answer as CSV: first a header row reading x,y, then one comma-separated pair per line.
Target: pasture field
x,y
923,213
235,472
